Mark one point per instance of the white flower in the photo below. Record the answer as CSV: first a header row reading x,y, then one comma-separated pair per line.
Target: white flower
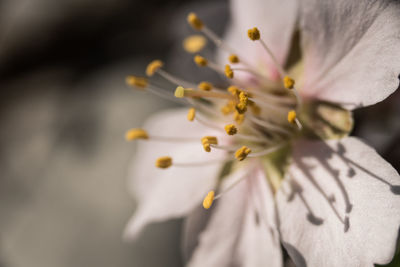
x,y
329,199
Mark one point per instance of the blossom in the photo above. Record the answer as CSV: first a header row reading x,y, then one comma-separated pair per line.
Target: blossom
x,y
299,180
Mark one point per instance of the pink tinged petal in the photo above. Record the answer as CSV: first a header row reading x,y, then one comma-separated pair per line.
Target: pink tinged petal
x,y
170,193
238,233
340,205
276,21
351,50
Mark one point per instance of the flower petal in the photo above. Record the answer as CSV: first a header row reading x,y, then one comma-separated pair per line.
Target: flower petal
x,y
351,50
193,225
276,21
238,233
340,205
170,193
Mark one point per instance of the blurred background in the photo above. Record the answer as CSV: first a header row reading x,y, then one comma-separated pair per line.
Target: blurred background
x,y
64,111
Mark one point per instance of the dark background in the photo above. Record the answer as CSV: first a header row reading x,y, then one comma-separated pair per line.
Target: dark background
x,y
63,113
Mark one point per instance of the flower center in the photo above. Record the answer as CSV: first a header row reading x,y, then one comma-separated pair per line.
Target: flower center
x,y
256,120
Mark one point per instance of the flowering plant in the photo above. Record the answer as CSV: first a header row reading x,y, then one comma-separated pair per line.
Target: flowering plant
x,y
274,147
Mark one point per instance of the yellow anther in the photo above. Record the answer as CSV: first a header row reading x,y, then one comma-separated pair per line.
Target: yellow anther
x,y
228,71
191,114
209,139
242,153
254,34
241,107
228,108
291,116
164,162
200,61
205,86
243,97
207,147
179,92
138,82
134,134
194,21
233,59
208,200
153,67
234,90
288,82
194,43
231,129
239,118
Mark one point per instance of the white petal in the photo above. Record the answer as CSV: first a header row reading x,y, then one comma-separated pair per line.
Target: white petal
x,y
259,243
274,18
239,233
340,205
169,193
351,50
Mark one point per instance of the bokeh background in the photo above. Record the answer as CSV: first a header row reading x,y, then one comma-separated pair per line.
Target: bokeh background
x,y
64,109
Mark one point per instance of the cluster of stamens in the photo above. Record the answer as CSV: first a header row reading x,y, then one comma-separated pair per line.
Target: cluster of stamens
x,y
241,114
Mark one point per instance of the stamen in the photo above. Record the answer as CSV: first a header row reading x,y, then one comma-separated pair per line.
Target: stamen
x,y
208,200
266,151
288,82
255,73
231,186
153,67
233,58
200,61
197,24
253,138
164,94
228,71
241,107
226,148
194,21
194,43
292,118
234,90
243,97
138,82
203,62
269,126
173,79
134,134
191,114
231,129
269,105
242,153
181,92
267,97
164,162
205,86
207,141
253,34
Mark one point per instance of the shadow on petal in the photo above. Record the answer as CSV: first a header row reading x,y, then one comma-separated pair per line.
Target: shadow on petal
x,y
295,255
